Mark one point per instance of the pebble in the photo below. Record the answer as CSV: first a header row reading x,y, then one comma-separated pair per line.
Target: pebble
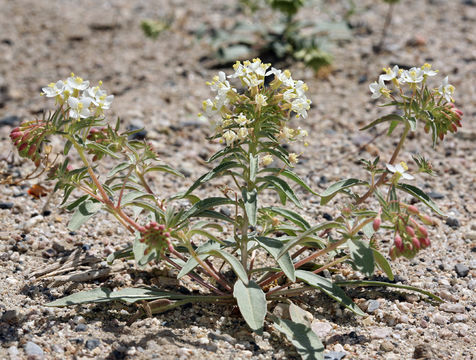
x,y
6,205
471,235
335,355
13,353
372,306
472,284
58,349
80,328
439,319
10,316
452,222
387,346
453,308
92,344
380,333
33,350
445,294
435,195
462,270
321,328
422,351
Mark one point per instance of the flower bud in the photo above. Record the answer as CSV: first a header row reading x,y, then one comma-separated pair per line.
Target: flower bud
x,y
376,223
142,229
398,242
412,209
161,227
31,150
409,230
427,128
393,253
426,220
22,147
453,128
425,242
15,135
167,234
422,230
416,243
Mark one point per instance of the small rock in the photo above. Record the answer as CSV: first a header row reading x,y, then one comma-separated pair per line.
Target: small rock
x,y
453,308
422,351
372,306
6,205
472,284
92,344
204,341
459,318
452,222
225,211
80,328
387,346
380,333
13,353
439,319
335,355
57,349
461,270
445,294
321,328
282,311
435,195
33,350
10,316
11,120
470,235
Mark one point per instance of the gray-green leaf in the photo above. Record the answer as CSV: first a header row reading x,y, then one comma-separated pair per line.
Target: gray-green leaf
x,y
83,213
362,256
274,247
252,303
250,199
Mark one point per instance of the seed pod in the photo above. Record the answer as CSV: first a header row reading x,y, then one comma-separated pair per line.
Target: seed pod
x,y
416,243
376,223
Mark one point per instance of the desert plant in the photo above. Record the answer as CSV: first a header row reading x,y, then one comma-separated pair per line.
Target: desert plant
x,y
224,252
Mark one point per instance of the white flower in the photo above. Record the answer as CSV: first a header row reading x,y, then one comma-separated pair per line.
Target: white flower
x,y
252,80
378,89
79,108
267,159
242,133
301,87
300,106
289,95
260,100
229,136
54,89
412,76
446,90
282,76
77,83
390,73
241,120
293,158
400,170
103,102
300,134
286,133
209,107
426,68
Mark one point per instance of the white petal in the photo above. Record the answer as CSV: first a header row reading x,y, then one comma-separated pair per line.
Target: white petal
x,y
407,176
391,168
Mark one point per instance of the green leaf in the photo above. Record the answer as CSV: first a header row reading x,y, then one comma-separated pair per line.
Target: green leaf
x,y
252,304
129,295
192,262
118,168
292,176
254,162
335,188
420,195
250,200
412,122
281,185
203,205
289,215
362,256
392,127
72,205
67,147
330,288
274,247
302,337
390,117
83,213
299,315
234,263
139,249
120,254
101,148
165,168
383,264
386,284
212,174
301,238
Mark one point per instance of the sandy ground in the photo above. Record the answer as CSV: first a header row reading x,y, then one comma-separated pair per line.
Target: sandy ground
x,y
161,84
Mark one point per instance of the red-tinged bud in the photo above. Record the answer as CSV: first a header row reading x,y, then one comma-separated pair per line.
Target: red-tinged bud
x,y
94,131
15,135
398,242
376,223
161,227
426,220
153,224
393,253
141,240
22,147
458,112
409,230
142,229
95,158
17,129
17,142
31,150
427,128
170,246
416,243
422,230
412,209
459,123
453,127
425,242
451,105
441,136
69,167
37,162
148,226
167,234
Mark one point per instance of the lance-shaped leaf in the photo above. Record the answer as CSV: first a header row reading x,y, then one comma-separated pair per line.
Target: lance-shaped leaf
x,y
301,238
212,174
233,262
292,176
420,195
83,213
383,264
250,199
164,168
390,117
328,287
203,205
337,187
274,247
289,215
201,253
252,304
362,256
101,148
254,162
302,337
282,188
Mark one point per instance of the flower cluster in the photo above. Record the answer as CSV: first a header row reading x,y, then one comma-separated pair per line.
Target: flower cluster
x,y
399,171
240,112
156,237
410,236
81,100
27,138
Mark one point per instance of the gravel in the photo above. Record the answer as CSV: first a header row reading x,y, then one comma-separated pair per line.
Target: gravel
x,y
161,85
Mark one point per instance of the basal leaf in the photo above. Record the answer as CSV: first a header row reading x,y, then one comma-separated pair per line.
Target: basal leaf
x,y
252,304
274,247
362,256
83,213
233,262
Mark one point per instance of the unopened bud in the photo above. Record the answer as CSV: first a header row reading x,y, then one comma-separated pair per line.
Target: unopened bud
x,y
425,242
422,230
412,209
426,220
453,127
161,227
416,243
441,136
22,147
409,230
398,242
167,234
31,150
376,223
15,135
427,128
393,253
142,229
